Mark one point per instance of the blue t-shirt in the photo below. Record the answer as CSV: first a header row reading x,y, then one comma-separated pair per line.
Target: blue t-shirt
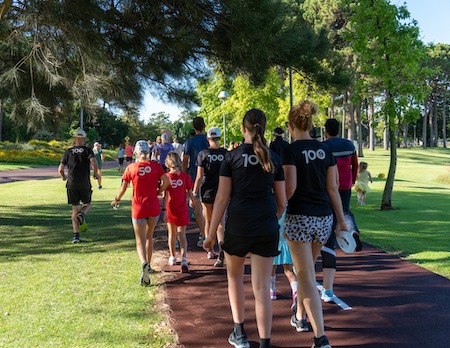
x,y
192,148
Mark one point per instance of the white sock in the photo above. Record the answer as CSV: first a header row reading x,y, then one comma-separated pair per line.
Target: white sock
x,y
294,287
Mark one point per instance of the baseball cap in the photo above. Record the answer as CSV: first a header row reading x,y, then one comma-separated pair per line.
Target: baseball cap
x,y
192,131
278,131
79,133
213,132
96,143
141,147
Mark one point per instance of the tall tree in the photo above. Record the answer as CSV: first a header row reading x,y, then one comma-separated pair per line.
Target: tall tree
x,y
388,49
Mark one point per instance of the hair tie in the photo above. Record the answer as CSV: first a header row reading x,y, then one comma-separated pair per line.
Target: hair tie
x,y
256,125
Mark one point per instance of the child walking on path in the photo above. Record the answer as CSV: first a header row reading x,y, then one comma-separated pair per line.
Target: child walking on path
x,y
251,185
149,180
208,167
174,203
362,182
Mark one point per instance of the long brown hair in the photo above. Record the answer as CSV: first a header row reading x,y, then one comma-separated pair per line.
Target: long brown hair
x,y
255,123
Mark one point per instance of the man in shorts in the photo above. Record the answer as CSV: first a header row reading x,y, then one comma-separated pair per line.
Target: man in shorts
x,y
78,160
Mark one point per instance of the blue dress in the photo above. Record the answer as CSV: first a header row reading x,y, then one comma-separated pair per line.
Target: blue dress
x,y
285,256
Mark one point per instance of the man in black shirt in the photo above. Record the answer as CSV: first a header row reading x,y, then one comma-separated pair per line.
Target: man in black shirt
x,y
78,160
278,144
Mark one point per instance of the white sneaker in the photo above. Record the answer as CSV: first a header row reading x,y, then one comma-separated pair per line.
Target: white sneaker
x,y
184,266
327,295
172,260
200,241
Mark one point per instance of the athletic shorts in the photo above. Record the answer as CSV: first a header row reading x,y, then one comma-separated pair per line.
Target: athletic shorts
x,y
266,246
121,160
74,196
306,229
129,159
137,221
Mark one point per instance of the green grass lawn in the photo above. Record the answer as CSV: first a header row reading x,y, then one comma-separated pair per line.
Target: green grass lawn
x,y
55,293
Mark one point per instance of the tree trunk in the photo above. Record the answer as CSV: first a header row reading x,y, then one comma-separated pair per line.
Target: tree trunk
x,y
424,124
405,133
344,115
386,201
430,118
444,120
370,113
385,137
332,107
1,120
351,121
435,119
359,123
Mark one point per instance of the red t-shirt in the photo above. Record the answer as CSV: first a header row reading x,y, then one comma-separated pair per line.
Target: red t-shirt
x,y
177,208
129,151
145,179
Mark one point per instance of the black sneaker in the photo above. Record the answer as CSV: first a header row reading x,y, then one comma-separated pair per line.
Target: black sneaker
x,y
219,262
357,240
300,325
145,278
76,238
321,342
238,341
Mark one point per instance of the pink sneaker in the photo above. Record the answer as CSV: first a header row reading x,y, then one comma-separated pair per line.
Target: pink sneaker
x,y
294,302
273,294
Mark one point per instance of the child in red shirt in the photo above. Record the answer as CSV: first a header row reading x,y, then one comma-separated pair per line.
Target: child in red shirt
x,y
177,209
149,180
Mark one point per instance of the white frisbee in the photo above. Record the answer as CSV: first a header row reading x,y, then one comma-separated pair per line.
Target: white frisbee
x,y
346,242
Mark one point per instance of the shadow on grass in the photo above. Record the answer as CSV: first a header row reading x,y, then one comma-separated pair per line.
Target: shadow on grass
x,y
47,229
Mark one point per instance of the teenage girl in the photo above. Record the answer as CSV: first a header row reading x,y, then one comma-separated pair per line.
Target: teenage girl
x,y
251,184
207,179
149,180
362,182
177,209
311,186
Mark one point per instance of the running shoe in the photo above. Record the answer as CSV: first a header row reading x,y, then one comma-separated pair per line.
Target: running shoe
x,y
238,341
172,261
76,238
211,255
82,221
200,241
184,266
273,294
300,325
327,295
321,342
219,262
294,302
100,187
145,278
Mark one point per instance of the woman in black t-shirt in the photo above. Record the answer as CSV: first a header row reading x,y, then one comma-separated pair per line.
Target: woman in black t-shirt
x,y
311,185
251,184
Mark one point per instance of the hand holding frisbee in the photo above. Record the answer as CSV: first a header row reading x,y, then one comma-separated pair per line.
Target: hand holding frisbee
x,y
346,242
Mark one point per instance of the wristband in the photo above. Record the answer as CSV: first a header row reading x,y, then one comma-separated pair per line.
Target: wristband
x,y
116,199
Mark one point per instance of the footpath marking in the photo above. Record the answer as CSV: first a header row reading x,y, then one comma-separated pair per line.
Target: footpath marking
x,y
336,299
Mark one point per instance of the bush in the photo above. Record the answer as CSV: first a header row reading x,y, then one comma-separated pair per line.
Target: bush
x,y
43,134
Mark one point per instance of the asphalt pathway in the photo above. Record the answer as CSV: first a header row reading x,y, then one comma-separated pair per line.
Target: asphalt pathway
x,y
394,303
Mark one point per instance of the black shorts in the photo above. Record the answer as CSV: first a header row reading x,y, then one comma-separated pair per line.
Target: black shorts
x,y
75,196
121,160
129,159
266,246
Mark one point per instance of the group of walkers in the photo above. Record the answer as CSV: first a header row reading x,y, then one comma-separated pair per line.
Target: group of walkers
x,y
253,200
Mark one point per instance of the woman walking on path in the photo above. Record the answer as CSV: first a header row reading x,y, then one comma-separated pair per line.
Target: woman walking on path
x,y
311,185
250,173
149,180
100,158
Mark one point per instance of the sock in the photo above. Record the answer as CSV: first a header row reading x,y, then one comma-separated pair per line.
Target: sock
x,y
294,287
264,343
273,281
239,329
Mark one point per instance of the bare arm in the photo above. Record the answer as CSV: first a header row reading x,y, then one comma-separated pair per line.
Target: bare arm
x,y
61,171
119,196
370,177
220,204
279,189
164,185
335,198
185,163
94,167
198,179
290,174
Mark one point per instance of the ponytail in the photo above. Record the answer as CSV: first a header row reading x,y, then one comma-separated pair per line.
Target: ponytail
x,y
255,122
